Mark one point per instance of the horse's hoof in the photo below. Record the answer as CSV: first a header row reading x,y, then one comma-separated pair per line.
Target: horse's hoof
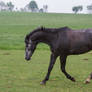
x,y
73,79
87,81
43,83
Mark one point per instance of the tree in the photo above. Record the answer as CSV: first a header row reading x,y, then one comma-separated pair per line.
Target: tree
x,y
77,9
3,6
41,10
10,5
45,7
33,6
89,8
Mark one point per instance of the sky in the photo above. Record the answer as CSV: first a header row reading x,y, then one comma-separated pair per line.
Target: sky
x,y
58,6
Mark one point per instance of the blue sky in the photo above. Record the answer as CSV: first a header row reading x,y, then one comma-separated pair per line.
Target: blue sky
x,y
58,6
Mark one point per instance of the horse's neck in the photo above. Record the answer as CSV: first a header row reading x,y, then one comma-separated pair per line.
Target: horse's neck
x,y
44,38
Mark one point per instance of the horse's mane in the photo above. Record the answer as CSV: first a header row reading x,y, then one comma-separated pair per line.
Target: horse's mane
x,y
49,30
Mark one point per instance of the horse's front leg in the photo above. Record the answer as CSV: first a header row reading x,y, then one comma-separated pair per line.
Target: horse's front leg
x,y
52,62
63,64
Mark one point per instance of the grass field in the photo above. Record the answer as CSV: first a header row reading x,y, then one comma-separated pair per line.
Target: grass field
x,y
18,75
14,26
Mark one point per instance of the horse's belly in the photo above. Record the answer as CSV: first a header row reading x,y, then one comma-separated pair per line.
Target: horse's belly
x,y
79,50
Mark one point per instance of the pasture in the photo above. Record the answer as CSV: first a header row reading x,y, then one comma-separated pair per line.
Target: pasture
x,y
18,75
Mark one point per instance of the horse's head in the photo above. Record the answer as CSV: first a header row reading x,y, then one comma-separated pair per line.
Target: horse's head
x,y
30,46
31,41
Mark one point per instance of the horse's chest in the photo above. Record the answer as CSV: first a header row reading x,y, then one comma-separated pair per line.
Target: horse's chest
x,y
60,46
63,46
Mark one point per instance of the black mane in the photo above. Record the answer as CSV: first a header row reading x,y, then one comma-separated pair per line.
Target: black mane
x,y
49,30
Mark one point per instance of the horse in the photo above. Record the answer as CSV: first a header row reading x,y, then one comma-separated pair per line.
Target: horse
x,y
62,41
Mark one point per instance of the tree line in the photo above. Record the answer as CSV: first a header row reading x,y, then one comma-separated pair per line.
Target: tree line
x,y
6,7
31,7
78,8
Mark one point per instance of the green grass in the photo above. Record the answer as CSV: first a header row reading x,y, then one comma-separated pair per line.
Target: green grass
x,y
14,26
18,75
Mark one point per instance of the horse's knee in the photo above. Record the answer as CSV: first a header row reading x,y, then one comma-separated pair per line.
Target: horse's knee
x,y
63,70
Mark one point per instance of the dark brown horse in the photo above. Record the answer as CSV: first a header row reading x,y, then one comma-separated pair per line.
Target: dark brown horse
x,y
62,41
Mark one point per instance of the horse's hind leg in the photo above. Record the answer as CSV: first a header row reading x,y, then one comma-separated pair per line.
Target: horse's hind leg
x,y
88,79
63,63
52,62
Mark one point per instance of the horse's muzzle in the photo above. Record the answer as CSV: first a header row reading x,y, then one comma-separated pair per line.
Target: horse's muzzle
x,y
26,58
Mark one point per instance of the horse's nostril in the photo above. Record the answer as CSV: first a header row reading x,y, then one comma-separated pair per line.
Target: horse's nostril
x,y
27,58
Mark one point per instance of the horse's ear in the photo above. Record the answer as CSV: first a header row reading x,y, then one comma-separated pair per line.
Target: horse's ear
x,y
42,28
27,37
